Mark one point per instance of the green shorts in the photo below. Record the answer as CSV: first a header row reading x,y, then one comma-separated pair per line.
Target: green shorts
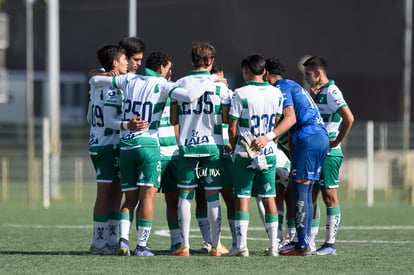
x,y
202,172
250,182
140,167
106,164
330,173
169,175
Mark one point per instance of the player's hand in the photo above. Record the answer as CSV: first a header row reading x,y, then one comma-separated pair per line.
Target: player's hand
x,y
113,72
137,124
259,143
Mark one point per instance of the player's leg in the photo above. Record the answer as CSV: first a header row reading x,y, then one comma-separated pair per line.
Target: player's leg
x,y
307,159
148,182
330,197
242,184
169,178
187,185
202,219
129,178
316,216
268,192
104,162
213,167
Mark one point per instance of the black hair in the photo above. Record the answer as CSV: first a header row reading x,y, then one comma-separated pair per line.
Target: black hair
x,y
157,59
316,62
132,45
275,66
255,62
107,54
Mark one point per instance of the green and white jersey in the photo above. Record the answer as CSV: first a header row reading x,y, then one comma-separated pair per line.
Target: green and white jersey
x,y
146,96
166,134
101,137
255,106
200,121
330,101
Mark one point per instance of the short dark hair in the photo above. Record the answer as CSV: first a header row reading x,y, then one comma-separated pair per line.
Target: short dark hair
x,y
157,59
216,68
255,62
275,66
132,45
316,62
107,54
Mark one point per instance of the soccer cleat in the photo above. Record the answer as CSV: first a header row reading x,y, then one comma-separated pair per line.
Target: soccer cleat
x,y
222,249
174,247
100,251
124,247
287,246
294,251
184,252
244,252
142,251
215,252
205,249
326,249
286,240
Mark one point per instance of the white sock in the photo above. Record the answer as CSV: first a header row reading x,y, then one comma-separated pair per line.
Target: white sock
x,y
99,234
241,233
143,234
204,226
312,240
113,228
332,224
271,229
214,218
184,220
124,228
261,209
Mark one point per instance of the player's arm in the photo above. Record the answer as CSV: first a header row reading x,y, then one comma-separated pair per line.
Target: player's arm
x,y
111,121
109,81
346,124
232,133
225,113
289,119
174,119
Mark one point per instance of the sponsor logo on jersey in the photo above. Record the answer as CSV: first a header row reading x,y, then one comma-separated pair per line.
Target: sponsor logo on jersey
x,y
195,139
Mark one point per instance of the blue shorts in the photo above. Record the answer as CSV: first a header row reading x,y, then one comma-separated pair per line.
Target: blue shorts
x,y
308,156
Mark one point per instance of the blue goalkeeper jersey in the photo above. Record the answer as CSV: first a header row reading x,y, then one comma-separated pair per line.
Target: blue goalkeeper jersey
x,y
308,119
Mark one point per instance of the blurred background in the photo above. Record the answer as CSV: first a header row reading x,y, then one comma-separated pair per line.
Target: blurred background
x,y
48,46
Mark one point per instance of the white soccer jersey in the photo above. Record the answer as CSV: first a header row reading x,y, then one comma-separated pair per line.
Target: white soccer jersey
x,y
200,121
256,107
166,134
146,97
100,135
329,101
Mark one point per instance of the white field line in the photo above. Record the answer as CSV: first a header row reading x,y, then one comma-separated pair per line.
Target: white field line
x,y
165,233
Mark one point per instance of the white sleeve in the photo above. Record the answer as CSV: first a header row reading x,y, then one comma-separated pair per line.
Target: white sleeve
x,y
184,95
111,118
101,81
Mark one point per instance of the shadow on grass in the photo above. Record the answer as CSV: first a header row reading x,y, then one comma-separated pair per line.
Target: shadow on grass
x,y
69,253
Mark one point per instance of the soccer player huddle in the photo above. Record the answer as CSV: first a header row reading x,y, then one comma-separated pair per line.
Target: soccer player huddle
x,y
194,139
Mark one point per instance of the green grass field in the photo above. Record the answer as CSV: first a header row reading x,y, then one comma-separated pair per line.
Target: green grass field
x,y
33,240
